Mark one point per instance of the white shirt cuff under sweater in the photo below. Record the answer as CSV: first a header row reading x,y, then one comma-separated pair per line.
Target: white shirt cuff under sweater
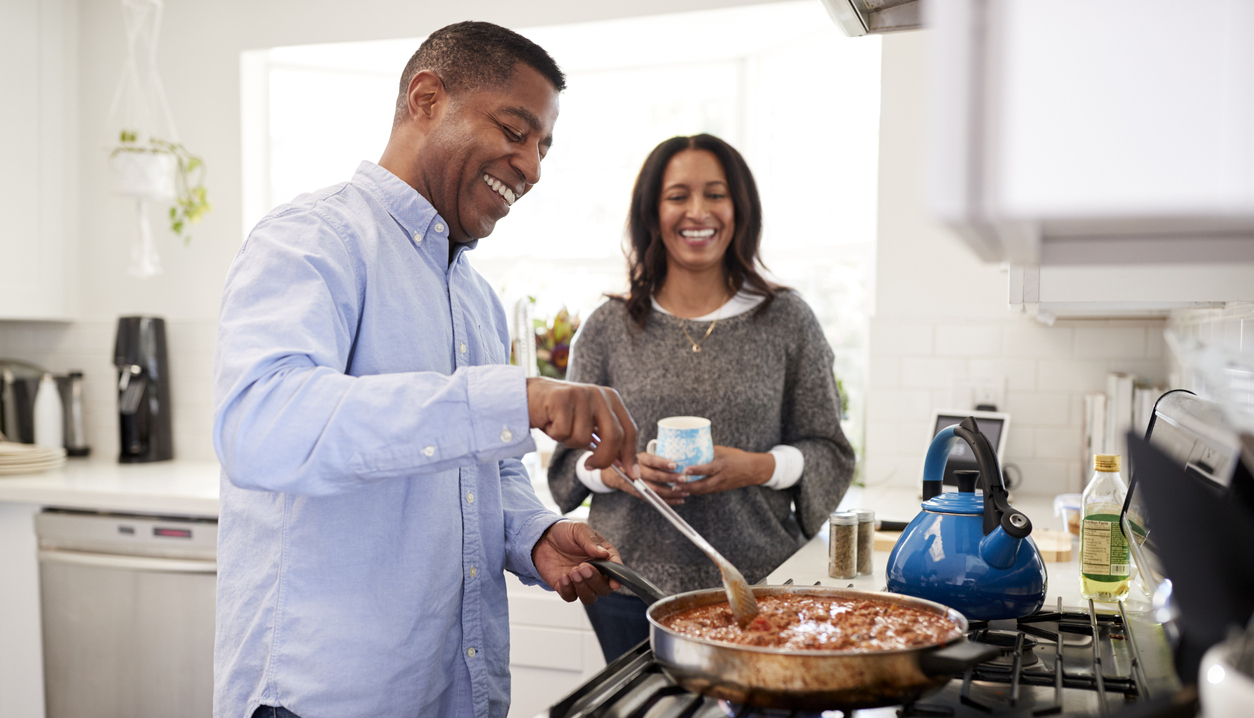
x,y
789,463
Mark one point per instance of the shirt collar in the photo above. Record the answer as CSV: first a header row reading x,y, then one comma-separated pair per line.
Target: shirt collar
x,y
410,209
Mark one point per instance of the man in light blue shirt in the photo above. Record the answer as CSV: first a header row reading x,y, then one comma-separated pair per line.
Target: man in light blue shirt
x,y
368,422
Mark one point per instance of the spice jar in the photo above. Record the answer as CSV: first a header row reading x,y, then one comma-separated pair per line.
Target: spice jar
x,y
866,541
842,546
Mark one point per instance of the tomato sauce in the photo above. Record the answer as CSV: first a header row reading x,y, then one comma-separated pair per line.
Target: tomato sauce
x,y
818,623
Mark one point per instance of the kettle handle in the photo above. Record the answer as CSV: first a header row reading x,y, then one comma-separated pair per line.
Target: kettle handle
x,y
997,508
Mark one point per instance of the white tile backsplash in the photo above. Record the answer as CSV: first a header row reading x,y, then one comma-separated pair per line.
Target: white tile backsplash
x,y
1047,372
1033,343
1068,376
1039,409
968,341
1110,343
928,372
1021,374
902,339
884,373
88,347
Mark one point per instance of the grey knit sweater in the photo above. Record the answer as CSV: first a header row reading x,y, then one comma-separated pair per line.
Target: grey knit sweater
x,y
762,380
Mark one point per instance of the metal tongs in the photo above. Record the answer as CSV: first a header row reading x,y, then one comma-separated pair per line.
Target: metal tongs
x,y
739,595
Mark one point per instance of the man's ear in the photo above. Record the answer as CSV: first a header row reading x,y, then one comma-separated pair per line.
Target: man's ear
x,y
427,97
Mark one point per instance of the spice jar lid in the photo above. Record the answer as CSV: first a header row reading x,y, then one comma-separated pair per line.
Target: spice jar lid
x,y
1106,462
844,518
865,515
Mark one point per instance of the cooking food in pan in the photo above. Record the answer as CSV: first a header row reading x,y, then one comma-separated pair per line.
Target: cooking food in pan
x,y
818,623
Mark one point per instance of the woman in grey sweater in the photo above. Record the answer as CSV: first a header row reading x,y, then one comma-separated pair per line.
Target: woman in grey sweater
x,y
702,333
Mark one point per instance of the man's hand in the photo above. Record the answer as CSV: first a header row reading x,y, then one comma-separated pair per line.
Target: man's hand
x,y
582,416
658,473
559,557
730,469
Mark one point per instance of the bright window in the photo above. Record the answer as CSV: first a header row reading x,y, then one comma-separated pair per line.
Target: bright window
x,y
779,82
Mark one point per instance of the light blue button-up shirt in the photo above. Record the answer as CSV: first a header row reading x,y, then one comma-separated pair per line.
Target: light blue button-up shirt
x,y
366,418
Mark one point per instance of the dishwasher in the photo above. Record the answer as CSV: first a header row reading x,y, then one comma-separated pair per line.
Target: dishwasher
x,y
128,614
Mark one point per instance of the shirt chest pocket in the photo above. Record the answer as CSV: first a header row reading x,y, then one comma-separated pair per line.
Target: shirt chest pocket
x,y
490,349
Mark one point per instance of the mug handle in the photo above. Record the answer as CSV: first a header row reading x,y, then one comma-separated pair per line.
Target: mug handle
x,y
648,448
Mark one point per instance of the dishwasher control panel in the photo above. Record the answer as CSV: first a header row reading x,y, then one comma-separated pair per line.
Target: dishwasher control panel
x,y
128,534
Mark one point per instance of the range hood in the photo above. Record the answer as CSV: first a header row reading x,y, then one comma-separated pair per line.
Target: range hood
x,y
873,17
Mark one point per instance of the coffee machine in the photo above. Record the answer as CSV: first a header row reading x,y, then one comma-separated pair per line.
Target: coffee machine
x,y
143,390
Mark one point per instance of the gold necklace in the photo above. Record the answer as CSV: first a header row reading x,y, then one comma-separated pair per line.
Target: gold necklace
x,y
696,345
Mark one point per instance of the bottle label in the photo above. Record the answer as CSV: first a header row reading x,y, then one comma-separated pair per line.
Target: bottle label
x,y
1103,548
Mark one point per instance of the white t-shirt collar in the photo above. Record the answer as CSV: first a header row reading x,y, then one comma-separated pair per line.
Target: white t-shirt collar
x,y
739,304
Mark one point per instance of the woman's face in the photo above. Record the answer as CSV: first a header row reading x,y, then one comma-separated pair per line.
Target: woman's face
x,y
695,214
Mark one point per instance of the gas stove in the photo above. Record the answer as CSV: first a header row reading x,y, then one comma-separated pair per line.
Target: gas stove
x,y
1054,662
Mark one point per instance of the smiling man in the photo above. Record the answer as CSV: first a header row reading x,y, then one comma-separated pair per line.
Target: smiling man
x,y
368,422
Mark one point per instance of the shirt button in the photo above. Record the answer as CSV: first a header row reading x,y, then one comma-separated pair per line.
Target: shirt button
x,y
473,572
463,347
470,652
470,498
507,435
429,451
439,227
417,238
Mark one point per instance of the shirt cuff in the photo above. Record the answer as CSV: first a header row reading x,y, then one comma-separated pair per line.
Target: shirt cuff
x,y
497,395
789,464
590,477
525,544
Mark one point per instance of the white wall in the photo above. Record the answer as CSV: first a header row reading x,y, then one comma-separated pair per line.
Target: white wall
x,y
941,315
199,62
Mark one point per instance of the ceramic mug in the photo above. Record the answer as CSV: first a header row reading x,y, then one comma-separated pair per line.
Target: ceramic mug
x,y
684,440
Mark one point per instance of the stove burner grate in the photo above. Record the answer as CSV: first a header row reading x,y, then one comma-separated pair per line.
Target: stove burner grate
x,y
1050,661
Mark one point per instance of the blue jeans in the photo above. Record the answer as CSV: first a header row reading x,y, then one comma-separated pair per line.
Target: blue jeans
x,y
272,712
619,623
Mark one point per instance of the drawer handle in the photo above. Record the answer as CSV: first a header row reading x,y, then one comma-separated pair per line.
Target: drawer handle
x,y
132,563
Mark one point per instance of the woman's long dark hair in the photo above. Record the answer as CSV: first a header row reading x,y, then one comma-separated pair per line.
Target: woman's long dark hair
x,y
646,256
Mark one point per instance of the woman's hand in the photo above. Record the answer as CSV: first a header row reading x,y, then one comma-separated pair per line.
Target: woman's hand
x,y
730,469
658,473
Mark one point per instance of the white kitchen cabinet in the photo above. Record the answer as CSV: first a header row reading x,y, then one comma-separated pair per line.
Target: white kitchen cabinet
x,y
37,158
552,648
1120,134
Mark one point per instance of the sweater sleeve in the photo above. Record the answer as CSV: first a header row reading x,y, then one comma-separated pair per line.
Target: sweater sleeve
x,y
811,423
587,365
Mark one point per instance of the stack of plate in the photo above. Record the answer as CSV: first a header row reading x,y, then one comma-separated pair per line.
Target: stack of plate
x,y
18,458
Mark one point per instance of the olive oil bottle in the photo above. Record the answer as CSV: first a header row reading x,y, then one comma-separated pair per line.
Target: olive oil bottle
x,y
1105,562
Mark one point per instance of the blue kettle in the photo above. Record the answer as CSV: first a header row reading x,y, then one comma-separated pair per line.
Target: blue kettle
x,y
967,551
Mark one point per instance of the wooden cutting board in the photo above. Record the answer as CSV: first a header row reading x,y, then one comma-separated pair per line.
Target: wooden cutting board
x,y
1055,546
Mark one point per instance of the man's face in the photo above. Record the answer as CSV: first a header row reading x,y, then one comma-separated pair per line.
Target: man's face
x,y
485,152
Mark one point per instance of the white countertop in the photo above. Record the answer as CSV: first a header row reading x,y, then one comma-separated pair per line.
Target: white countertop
x,y
809,565
184,488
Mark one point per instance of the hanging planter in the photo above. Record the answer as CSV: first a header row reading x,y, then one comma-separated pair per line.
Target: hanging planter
x,y
148,167
143,175
164,172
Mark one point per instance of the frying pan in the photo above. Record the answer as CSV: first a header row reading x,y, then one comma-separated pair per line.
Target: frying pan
x,y
800,679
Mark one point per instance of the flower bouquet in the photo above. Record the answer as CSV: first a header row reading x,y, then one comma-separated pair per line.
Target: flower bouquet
x,y
553,343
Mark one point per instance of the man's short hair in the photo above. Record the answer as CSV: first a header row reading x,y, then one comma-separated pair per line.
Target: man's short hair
x,y
474,56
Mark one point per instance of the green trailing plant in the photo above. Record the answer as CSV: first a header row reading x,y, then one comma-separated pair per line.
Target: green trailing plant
x,y
191,202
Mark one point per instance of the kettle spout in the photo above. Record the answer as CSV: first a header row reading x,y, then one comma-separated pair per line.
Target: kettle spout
x,y
999,549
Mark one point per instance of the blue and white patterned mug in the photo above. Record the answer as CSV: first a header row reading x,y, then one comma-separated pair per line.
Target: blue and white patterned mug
x,y
684,440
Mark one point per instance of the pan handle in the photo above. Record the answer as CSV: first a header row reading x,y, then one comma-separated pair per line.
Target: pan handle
x,y
628,576
956,658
